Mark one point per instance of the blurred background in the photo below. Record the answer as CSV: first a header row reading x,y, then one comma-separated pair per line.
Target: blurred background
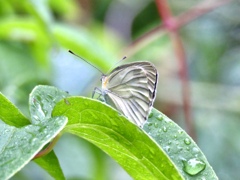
x,y
35,37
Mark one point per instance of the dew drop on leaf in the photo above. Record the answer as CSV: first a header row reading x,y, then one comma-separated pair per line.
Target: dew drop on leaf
x,y
164,129
167,148
180,131
193,166
196,150
150,124
150,115
159,117
187,141
179,148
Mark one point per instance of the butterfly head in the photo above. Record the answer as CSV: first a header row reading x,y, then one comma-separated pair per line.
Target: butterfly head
x,y
104,80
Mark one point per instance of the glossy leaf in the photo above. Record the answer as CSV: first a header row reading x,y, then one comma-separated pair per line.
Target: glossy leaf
x,y
181,149
10,114
19,145
125,142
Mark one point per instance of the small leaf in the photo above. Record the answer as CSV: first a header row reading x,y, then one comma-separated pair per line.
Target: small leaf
x,y
10,114
179,146
129,145
51,164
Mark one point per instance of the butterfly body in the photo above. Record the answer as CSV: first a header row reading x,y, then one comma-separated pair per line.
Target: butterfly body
x,y
131,89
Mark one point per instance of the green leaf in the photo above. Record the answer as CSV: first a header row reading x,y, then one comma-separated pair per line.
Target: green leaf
x,y
10,114
179,146
129,145
51,164
19,145
42,101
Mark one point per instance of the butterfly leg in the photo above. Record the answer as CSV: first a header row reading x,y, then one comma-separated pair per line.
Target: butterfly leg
x,y
98,91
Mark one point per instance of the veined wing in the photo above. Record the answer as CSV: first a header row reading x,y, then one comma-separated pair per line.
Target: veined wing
x,y
132,89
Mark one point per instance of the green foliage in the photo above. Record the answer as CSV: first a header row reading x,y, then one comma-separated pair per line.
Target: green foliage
x,y
142,153
33,34
20,144
181,149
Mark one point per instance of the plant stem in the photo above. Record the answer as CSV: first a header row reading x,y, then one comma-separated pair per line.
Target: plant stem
x,y
179,21
48,148
171,27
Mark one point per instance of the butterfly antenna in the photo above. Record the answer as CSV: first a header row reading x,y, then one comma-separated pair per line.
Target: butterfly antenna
x,y
85,61
117,63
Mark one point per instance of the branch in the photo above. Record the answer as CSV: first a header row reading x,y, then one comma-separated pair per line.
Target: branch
x,y
173,23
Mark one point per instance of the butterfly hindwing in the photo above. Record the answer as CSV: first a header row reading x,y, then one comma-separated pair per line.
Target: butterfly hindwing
x,y
132,89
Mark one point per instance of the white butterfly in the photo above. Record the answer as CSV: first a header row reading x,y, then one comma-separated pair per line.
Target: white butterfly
x,y
131,89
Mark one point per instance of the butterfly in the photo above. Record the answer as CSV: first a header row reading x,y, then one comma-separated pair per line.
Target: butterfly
x,y
131,89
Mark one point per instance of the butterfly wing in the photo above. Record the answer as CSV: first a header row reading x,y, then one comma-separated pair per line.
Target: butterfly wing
x,y
131,88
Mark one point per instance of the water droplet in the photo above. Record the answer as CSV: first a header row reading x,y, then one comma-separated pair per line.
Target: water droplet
x,y
169,142
164,129
175,136
180,131
150,115
179,148
193,166
150,124
155,125
159,117
167,148
187,141
195,150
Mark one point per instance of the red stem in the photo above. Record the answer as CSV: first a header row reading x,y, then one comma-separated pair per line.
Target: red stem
x,y
174,23
183,73
49,148
171,26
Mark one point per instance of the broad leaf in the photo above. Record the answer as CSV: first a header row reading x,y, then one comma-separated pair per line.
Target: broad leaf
x,y
19,145
129,145
51,164
176,157
180,147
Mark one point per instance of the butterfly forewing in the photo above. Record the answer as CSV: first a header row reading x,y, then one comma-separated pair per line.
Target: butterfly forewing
x,y
132,89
